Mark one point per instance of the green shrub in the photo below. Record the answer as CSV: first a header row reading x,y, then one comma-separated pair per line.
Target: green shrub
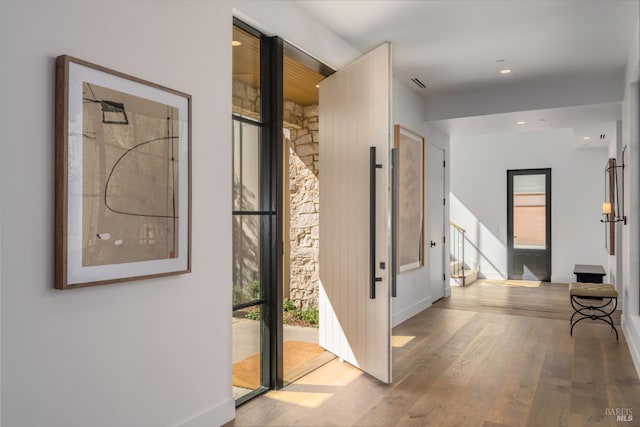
x,y
288,305
249,291
253,315
309,315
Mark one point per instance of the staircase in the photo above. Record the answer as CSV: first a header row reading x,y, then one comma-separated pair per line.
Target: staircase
x,y
461,274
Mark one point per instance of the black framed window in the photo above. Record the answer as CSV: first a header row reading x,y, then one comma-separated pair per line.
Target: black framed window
x,y
257,178
529,224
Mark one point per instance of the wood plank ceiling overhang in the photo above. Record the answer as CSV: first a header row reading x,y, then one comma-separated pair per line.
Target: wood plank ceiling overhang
x,y
299,80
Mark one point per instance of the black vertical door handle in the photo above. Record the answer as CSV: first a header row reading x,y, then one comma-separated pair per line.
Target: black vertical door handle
x,y
433,243
372,222
394,222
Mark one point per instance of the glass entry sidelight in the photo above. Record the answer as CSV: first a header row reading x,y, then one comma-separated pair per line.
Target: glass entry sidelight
x,y
247,229
266,72
529,224
257,142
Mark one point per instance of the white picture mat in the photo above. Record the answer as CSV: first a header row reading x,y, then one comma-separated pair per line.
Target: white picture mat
x,y
76,273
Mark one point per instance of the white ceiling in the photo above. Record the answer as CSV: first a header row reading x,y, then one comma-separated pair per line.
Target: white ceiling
x,y
453,46
593,125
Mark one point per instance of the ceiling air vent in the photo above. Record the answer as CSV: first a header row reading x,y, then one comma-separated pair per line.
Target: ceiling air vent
x,y
418,83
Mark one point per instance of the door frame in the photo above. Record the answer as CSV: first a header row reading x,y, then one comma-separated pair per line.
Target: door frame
x,y
273,207
270,213
441,169
510,249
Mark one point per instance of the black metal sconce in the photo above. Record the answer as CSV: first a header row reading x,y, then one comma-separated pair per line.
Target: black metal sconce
x,y
612,208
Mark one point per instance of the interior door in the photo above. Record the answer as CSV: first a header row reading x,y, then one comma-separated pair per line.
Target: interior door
x,y
436,197
529,224
355,230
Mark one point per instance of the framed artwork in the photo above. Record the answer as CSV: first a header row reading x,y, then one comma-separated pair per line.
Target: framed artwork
x,y
123,177
410,199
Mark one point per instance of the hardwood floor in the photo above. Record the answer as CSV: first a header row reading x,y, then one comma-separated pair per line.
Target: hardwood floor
x,y
490,356
520,298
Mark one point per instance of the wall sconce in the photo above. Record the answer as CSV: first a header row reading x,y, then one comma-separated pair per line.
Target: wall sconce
x,y
613,208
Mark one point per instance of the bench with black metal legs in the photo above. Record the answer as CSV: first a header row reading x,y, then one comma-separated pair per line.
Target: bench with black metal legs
x,y
603,301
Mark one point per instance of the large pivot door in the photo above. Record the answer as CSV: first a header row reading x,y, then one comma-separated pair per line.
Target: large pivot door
x,y
355,208
529,224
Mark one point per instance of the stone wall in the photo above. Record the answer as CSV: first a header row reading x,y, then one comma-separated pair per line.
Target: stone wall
x,y
301,140
246,100
304,203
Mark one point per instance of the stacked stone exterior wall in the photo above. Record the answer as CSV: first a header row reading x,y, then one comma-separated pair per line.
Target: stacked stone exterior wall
x,y
246,100
302,142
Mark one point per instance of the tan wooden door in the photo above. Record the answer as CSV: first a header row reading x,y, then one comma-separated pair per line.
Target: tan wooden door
x,y
354,116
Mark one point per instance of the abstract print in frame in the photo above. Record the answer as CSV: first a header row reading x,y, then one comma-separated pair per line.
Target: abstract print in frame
x,y
410,199
123,177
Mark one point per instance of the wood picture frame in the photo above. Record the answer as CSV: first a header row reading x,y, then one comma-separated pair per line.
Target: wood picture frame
x,y
410,195
610,197
122,177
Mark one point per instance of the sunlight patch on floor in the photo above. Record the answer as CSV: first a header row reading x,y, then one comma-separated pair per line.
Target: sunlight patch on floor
x,y
238,392
401,340
520,283
341,376
301,398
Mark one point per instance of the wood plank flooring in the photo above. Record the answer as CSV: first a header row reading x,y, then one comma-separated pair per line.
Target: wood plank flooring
x,y
490,356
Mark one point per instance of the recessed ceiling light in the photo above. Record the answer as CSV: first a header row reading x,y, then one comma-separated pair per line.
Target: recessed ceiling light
x,y
236,43
318,85
586,137
505,71
520,122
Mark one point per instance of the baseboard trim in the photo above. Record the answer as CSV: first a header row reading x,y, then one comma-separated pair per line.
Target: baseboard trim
x,y
408,312
631,329
562,279
217,415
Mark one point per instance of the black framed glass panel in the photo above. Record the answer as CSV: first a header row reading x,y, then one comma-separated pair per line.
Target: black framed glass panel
x,y
257,248
529,224
246,166
250,346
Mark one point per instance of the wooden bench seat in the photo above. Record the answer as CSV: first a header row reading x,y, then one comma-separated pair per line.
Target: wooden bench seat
x,y
605,293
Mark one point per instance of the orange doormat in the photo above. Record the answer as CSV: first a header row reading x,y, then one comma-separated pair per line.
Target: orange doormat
x,y
246,373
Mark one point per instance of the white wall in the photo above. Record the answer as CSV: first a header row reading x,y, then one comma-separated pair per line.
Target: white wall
x,y
631,232
414,292
598,88
153,352
479,196
614,269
